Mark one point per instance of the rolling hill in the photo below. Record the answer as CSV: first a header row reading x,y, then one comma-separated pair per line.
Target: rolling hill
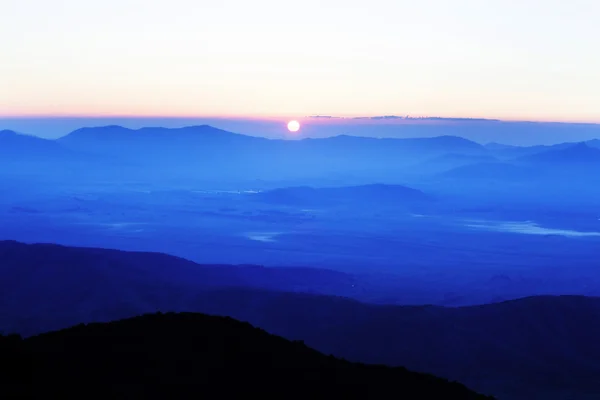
x,y
522,349
188,355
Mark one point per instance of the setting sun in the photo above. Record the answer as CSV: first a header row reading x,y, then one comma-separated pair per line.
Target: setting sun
x,y
293,126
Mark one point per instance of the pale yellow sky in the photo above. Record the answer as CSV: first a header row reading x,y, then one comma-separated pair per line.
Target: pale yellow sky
x,y
528,60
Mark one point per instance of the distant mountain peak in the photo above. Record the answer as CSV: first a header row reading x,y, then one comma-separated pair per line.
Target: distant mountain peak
x,y
22,137
91,130
114,127
117,129
579,153
107,127
581,145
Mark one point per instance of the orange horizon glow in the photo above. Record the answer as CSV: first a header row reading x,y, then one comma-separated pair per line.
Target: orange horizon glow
x,y
459,59
284,118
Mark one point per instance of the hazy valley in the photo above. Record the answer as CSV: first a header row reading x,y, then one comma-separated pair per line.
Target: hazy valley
x,y
268,231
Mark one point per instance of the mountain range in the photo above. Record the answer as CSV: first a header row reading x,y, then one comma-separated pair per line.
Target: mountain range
x,y
580,154
198,146
206,157
541,347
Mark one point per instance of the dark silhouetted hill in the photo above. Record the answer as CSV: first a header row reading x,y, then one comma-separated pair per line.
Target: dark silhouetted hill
x,y
189,355
522,349
105,284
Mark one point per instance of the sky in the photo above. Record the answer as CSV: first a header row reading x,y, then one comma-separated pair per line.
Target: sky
x,y
531,60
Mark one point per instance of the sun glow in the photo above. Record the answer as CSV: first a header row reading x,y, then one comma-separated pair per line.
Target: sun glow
x,y
293,126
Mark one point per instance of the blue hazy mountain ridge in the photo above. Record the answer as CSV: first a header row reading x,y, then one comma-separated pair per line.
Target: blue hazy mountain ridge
x,y
15,146
207,153
206,156
26,156
542,158
107,136
202,151
482,131
580,154
554,164
211,156
161,151
364,194
531,348
108,139
573,170
31,156
507,152
116,140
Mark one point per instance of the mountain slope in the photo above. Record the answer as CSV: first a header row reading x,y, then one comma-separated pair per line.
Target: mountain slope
x,y
193,354
116,139
30,156
102,284
523,349
16,147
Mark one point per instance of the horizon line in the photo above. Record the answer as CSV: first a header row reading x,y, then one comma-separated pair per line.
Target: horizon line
x,y
323,117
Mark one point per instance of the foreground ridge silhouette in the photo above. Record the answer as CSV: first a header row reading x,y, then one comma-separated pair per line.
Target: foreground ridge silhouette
x,y
191,355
